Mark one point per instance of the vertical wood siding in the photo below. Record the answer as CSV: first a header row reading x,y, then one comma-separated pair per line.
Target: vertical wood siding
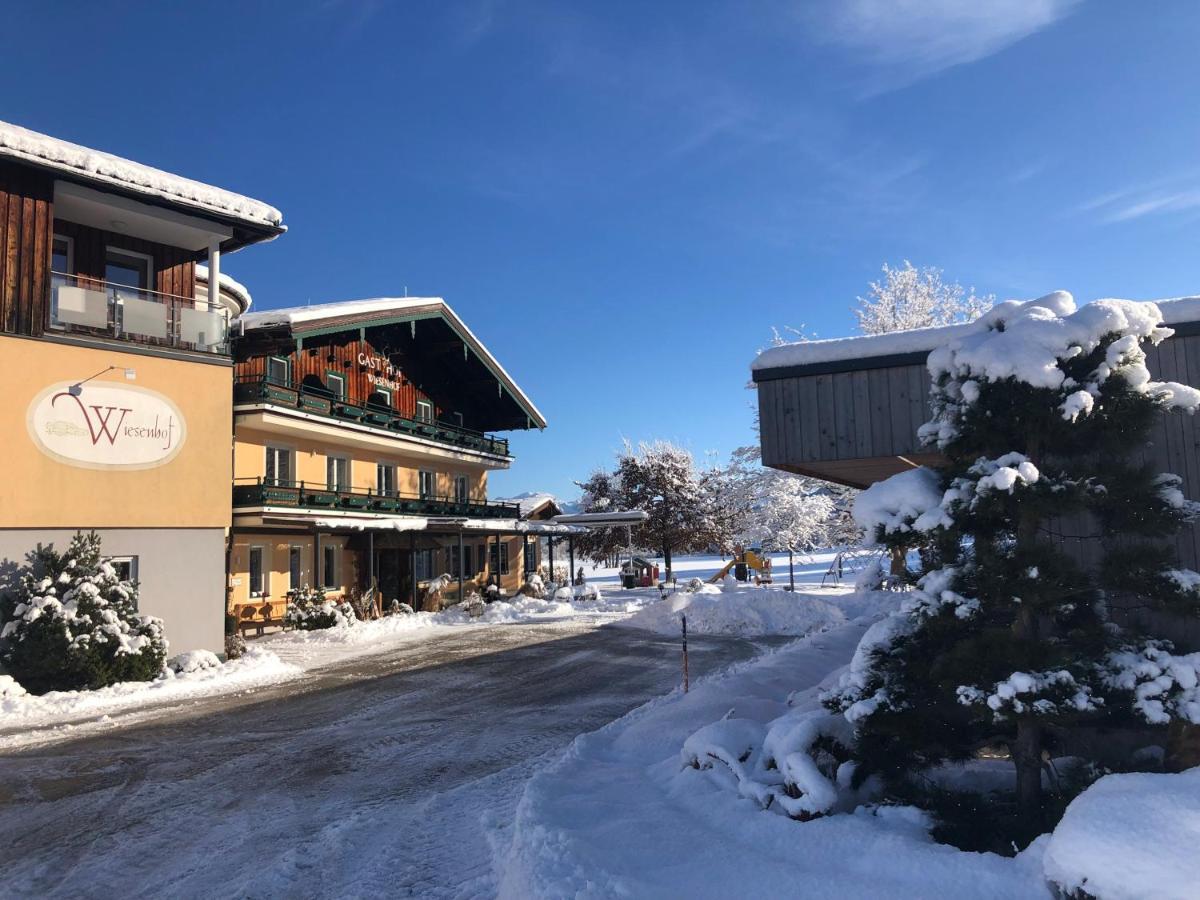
x,y
340,356
174,267
26,211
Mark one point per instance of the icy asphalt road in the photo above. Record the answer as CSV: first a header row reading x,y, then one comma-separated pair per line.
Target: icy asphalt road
x,y
389,775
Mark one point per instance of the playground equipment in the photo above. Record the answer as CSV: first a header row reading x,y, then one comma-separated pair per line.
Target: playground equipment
x,y
744,560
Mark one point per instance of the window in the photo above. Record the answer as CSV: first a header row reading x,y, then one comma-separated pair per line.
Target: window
x,y
279,466
257,582
336,382
502,568
279,370
385,395
385,480
337,473
135,270
427,484
424,411
126,567
461,492
295,573
529,554
329,555
468,569
62,258
452,552
424,565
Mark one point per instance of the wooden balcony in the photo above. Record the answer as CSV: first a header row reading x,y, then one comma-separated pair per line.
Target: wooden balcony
x,y
306,399
319,498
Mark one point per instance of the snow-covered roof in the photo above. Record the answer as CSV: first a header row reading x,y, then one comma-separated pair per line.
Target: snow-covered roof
x,y
530,502
95,166
604,519
304,318
919,340
238,291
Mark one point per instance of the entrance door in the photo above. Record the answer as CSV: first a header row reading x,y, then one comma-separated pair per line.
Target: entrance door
x,y
387,564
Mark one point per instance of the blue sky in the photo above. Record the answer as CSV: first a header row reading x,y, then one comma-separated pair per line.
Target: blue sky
x,y
623,198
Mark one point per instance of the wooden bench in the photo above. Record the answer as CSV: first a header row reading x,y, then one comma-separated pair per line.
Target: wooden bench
x,y
260,615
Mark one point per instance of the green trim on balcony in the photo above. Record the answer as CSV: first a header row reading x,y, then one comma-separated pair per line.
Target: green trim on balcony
x,y
298,495
254,389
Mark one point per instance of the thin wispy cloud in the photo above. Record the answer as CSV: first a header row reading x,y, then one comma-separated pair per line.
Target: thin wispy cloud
x,y
1175,194
903,41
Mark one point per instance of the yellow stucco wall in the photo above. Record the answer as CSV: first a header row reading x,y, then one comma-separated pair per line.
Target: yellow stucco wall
x,y
310,464
189,490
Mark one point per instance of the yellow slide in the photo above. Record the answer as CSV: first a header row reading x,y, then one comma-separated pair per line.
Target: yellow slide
x,y
724,571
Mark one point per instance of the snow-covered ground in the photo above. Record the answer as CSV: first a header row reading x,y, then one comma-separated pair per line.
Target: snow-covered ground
x,y
27,719
619,814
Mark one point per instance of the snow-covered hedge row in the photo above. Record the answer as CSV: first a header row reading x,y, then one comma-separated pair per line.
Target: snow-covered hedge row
x,y
308,610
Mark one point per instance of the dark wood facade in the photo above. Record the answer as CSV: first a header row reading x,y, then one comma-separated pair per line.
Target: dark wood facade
x,y
339,354
26,218
174,267
27,230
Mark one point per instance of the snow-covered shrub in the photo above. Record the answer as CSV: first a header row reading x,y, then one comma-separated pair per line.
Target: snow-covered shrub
x,y
396,608
534,586
474,605
693,585
235,646
308,610
798,764
10,689
70,623
588,592
432,599
193,661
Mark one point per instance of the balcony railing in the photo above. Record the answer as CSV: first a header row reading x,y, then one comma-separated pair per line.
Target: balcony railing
x,y
319,497
88,306
255,389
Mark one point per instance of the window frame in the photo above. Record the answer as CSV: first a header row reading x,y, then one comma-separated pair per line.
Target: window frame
x,y
332,464
341,394
70,242
296,572
426,405
463,496
422,474
290,453
329,566
136,254
501,566
380,468
260,549
386,392
287,370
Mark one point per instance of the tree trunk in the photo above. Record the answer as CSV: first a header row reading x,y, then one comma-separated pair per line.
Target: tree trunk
x,y
1027,756
667,561
899,567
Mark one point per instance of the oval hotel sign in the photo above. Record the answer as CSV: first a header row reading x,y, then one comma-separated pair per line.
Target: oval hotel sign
x,y
106,426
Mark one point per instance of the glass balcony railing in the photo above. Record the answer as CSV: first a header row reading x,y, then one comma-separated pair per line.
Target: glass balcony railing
x,y
88,306
322,402
319,497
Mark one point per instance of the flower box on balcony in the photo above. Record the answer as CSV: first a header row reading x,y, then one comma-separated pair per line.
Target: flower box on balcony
x,y
347,411
314,404
320,498
356,501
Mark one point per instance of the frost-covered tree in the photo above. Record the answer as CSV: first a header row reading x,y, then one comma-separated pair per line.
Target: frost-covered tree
x,y
778,510
68,622
663,480
909,297
1040,410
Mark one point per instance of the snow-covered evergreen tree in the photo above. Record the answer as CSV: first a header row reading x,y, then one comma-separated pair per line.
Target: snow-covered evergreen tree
x,y
68,622
1040,410
909,297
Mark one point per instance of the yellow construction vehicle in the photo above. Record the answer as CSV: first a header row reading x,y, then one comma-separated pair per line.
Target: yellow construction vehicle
x,y
753,558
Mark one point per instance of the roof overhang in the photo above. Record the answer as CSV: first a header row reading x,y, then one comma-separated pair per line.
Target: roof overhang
x,y
604,519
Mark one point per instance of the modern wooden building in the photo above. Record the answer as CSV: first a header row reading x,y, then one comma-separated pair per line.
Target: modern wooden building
x,y
118,382
362,450
848,410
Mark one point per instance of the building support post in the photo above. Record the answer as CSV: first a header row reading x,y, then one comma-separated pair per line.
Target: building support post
x,y
460,568
550,544
571,555
412,567
214,273
318,575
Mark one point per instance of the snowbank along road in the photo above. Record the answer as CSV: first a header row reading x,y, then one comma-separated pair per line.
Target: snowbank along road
x,y
389,775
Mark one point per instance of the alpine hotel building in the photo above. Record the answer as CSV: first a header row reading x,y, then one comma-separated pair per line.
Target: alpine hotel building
x,y
225,457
